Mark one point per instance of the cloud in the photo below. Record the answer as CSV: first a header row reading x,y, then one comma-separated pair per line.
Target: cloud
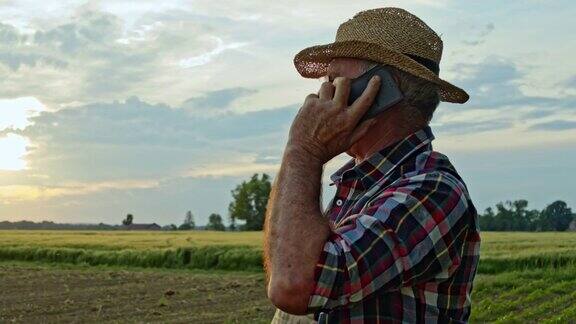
x,y
9,34
137,140
243,165
10,194
136,156
570,82
496,82
307,13
16,61
556,125
141,33
568,86
91,56
205,58
473,127
216,101
481,37
497,101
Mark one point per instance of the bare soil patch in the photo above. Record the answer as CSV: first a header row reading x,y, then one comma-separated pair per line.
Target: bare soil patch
x,y
34,294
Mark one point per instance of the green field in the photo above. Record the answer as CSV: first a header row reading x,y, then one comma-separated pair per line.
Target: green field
x,y
500,251
522,277
185,250
118,240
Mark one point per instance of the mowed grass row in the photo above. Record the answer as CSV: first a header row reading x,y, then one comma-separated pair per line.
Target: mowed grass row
x,y
500,252
223,257
529,296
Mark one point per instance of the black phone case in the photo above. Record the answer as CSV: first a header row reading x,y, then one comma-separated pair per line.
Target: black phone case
x,y
387,96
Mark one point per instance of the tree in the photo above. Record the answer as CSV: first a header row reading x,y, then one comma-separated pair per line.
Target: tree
x,y
515,216
510,216
556,216
487,220
215,223
232,226
188,223
170,227
250,199
519,212
128,220
240,207
534,217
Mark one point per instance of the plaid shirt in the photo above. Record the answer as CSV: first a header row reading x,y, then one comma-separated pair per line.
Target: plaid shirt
x,y
405,241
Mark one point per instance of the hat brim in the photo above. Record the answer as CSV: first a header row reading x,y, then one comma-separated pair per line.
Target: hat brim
x,y
312,62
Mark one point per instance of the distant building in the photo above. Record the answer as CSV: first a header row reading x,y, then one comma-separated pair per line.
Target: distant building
x,y
141,227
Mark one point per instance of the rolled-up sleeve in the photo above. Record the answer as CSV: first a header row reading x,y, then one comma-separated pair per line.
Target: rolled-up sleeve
x,y
411,232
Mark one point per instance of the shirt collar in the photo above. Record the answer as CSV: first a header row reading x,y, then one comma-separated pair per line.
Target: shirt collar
x,y
383,161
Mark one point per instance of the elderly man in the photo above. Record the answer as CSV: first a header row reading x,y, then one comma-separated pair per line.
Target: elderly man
x,y
399,242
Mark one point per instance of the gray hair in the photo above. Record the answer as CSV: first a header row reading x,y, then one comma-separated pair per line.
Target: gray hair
x,y
421,97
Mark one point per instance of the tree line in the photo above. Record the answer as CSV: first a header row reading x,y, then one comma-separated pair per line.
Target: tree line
x,y
214,223
515,216
250,199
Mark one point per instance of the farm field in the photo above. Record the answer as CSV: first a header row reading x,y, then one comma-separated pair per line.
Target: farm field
x,y
494,244
116,240
500,251
63,276
35,293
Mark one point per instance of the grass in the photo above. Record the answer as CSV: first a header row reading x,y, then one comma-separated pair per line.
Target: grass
x,y
119,240
494,244
524,244
222,257
529,296
500,251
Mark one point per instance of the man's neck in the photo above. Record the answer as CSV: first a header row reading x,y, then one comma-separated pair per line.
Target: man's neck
x,y
380,136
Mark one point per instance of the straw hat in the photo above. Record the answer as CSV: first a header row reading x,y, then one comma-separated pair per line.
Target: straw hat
x,y
391,36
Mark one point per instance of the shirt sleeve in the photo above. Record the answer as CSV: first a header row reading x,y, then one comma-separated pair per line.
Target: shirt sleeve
x,y
410,233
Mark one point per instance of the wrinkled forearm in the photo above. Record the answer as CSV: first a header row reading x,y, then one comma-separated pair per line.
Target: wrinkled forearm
x,y
295,231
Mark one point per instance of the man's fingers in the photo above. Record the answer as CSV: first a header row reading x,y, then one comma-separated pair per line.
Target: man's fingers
x,y
361,130
361,105
342,91
311,96
326,91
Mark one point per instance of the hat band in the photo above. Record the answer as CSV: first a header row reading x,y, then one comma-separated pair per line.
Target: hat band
x,y
429,64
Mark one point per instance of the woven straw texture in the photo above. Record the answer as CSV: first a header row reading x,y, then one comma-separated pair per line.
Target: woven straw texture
x,y
383,35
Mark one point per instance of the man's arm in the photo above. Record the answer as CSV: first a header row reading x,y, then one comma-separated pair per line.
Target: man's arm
x,y
295,231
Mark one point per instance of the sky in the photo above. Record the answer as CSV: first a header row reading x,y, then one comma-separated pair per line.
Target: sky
x,y
155,108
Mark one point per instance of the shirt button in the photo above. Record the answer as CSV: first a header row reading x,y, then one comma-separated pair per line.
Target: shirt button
x,y
339,202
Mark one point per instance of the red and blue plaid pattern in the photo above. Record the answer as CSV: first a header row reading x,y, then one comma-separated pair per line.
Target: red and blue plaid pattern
x,y
405,242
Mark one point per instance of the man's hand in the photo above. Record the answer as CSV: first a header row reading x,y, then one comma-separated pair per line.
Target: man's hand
x,y
325,125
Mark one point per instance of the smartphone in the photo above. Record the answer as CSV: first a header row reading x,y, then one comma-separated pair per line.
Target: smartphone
x,y
388,95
